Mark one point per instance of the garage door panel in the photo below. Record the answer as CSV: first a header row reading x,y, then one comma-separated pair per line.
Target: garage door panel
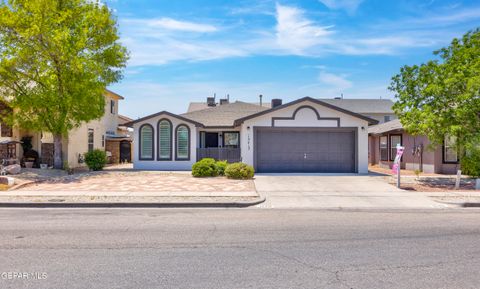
x,y
305,150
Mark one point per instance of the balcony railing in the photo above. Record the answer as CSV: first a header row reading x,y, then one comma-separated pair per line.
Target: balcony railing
x,y
231,155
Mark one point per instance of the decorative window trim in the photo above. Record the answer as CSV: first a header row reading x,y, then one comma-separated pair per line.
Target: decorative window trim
x,y
380,147
444,148
170,140
390,148
176,142
140,143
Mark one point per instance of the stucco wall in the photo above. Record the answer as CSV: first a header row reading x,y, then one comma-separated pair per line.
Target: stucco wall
x,y
305,118
164,165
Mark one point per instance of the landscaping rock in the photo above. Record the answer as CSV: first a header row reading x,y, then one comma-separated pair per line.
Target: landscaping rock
x,y
13,169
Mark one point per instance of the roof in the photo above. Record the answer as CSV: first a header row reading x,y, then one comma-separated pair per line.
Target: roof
x,y
363,106
111,93
123,119
131,123
307,98
225,114
385,127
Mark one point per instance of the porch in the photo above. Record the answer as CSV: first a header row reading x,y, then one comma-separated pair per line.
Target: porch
x,y
231,155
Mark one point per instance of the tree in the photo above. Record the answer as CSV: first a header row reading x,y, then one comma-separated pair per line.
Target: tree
x,y
442,97
56,59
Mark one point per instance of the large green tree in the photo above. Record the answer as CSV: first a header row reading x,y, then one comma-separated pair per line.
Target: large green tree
x,y
442,97
56,59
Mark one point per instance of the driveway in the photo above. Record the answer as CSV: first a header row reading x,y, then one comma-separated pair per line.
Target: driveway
x,y
336,191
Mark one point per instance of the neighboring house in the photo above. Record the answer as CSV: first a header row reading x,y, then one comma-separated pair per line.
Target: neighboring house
x,y
95,134
383,141
305,135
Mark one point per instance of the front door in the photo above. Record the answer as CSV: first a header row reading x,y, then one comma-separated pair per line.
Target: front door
x,y
125,151
211,139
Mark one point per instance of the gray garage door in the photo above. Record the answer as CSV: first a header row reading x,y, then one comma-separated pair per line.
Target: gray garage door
x,y
305,150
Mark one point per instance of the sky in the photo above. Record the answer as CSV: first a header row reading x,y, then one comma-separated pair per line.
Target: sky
x,y
187,50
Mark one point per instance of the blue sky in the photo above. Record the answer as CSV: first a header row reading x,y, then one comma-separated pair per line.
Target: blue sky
x,y
186,50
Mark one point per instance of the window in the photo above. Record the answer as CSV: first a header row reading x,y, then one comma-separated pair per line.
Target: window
x,y
231,139
386,118
90,140
103,140
395,139
6,131
384,148
112,106
164,140
146,142
182,142
450,154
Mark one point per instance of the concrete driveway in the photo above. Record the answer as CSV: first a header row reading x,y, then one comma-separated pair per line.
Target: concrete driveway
x,y
336,191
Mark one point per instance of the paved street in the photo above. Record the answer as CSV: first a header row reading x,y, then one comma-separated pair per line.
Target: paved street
x,y
240,248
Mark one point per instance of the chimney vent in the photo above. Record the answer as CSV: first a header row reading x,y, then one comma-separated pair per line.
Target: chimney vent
x,y
223,101
260,96
210,101
276,102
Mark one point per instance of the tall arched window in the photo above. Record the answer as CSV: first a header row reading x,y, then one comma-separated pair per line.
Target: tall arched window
x,y
146,142
164,140
182,141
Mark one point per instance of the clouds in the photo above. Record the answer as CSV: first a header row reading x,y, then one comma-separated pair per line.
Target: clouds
x,y
292,31
296,33
335,81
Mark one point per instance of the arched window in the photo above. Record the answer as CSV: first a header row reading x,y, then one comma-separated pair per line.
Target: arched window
x,y
182,141
164,140
146,142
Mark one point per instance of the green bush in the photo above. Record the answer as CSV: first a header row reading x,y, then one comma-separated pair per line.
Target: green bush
x,y
239,171
470,163
96,160
221,166
204,168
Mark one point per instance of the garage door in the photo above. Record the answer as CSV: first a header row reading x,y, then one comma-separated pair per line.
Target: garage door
x,y
305,150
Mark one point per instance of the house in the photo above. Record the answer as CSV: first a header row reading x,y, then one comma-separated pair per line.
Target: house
x,y
418,155
305,135
96,134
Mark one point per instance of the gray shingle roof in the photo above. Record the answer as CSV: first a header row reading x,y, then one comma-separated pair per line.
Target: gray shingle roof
x,y
225,114
385,127
364,106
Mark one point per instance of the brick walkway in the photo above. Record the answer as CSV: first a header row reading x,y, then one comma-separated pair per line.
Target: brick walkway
x,y
141,181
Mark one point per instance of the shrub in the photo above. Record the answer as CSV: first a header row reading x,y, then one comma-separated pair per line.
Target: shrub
x,y
204,168
239,171
96,159
220,167
470,163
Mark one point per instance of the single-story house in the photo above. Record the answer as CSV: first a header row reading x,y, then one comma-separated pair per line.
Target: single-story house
x,y
383,140
305,135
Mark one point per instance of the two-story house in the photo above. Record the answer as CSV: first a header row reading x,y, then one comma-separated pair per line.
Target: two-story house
x,y
96,134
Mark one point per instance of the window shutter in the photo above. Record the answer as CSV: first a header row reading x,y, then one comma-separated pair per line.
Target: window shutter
x,y
146,138
182,142
165,141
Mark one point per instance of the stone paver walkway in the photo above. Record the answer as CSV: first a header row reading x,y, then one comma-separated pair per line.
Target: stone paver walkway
x,y
141,181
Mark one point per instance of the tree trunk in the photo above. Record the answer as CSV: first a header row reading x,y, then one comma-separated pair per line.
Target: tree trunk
x,y
57,151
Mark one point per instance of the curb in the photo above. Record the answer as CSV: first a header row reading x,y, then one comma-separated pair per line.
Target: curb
x,y
241,204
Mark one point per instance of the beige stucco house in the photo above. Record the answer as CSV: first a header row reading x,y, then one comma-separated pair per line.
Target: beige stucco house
x,y
101,134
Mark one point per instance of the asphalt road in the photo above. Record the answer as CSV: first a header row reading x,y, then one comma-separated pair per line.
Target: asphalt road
x,y
239,248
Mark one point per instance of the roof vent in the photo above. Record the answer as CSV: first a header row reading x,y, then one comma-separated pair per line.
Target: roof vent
x,y
223,101
276,102
211,101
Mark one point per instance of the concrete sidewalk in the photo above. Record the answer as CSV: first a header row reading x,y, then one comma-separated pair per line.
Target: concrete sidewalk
x,y
337,191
